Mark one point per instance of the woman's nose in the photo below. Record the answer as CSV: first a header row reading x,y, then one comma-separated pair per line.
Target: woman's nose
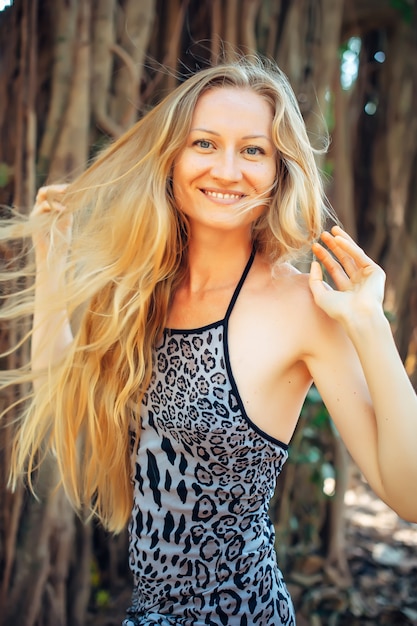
x,y
226,166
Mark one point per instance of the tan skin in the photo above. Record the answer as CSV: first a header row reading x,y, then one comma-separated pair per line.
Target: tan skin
x,y
289,329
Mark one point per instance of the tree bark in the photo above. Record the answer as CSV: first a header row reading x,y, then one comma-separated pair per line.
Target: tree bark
x,y
231,34
103,40
71,153
63,14
135,26
41,520
341,193
308,53
250,10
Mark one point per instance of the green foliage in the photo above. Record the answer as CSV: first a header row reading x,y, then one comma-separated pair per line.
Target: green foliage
x,y
329,112
5,174
390,315
307,485
100,144
344,47
405,9
316,428
102,598
94,574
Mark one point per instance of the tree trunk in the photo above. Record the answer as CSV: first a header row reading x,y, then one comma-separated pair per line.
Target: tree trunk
x,y
72,146
63,15
385,155
134,32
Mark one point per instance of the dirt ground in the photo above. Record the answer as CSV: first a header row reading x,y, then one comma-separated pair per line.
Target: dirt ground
x,y
382,557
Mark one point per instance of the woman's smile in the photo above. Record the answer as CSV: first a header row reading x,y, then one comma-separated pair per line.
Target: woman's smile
x,y
227,197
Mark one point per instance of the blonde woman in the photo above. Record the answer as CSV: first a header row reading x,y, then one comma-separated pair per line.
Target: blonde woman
x,y
173,344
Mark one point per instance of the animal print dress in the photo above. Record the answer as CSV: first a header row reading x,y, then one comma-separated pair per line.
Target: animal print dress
x,y
201,542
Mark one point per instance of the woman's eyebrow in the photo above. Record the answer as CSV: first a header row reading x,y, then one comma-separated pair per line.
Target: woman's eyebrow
x,y
260,136
213,132
205,130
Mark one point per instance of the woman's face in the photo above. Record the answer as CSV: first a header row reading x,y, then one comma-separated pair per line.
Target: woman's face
x,y
228,161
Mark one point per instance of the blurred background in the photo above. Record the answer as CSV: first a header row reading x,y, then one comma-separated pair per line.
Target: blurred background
x,y
75,74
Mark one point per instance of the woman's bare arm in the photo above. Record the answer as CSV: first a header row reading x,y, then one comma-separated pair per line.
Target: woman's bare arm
x,y
51,328
377,416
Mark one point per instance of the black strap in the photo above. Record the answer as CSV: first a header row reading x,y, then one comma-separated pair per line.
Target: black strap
x,y
240,285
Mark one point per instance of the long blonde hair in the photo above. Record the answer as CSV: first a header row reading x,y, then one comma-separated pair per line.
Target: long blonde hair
x,y
128,253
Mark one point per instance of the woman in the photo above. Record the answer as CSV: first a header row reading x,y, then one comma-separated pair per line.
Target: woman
x,y
166,307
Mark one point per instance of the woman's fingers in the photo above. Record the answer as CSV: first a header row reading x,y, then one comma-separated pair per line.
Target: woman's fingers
x,y
324,296
48,199
46,206
56,233
358,280
43,192
343,259
345,247
338,273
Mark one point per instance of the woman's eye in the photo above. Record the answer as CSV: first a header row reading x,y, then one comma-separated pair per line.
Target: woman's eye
x,y
203,143
254,151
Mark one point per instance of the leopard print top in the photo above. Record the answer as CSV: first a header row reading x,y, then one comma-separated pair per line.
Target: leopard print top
x,y
201,542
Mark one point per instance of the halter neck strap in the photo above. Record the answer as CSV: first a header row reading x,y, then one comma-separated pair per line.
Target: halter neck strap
x,y
240,285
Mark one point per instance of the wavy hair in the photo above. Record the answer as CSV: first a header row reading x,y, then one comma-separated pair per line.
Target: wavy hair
x,y
127,255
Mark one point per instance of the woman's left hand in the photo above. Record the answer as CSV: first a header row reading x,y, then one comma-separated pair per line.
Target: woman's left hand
x,y
359,281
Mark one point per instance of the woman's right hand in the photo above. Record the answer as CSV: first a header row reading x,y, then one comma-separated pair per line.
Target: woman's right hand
x,y
56,239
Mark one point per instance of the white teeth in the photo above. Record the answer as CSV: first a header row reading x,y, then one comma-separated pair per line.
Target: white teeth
x,y
223,196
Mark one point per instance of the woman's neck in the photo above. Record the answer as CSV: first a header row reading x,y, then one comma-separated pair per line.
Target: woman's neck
x,y
216,264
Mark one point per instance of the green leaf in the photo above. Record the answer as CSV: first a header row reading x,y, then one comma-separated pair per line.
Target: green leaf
x,y
4,174
102,598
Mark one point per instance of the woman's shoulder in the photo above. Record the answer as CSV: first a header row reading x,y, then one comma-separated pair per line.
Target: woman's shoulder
x,y
278,312
284,294
284,281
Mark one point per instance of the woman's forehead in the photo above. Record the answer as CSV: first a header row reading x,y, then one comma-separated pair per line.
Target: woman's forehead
x,y
219,103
